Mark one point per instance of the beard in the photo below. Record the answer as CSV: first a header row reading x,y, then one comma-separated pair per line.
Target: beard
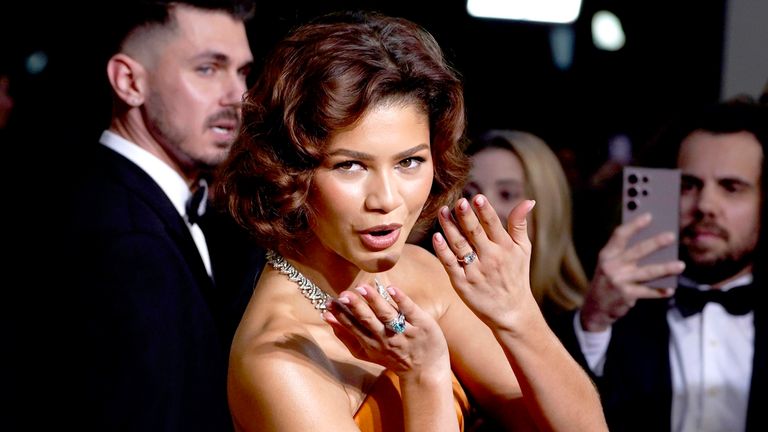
x,y
702,267
173,138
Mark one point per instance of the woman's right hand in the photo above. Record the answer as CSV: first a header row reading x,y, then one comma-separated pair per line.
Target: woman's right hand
x,y
358,319
488,265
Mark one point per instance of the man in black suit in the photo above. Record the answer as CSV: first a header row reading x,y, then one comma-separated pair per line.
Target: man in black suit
x,y
154,291
663,362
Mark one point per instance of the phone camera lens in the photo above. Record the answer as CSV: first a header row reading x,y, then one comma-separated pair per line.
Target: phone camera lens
x,y
632,192
632,205
645,193
632,178
645,179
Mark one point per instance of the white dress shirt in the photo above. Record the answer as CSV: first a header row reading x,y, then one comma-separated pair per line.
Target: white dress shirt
x,y
174,186
710,356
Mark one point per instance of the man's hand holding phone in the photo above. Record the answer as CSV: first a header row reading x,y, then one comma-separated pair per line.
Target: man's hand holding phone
x,y
640,259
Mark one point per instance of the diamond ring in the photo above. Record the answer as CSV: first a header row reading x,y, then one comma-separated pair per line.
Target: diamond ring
x,y
397,325
380,288
468,258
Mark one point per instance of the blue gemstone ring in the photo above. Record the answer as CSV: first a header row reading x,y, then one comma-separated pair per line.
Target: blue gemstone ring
x,y
397,325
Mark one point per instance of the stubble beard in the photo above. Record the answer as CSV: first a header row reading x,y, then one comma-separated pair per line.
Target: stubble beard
x,y
705,267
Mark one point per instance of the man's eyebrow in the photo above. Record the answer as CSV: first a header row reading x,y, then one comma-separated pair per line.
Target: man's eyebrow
x,y
725,179
212,55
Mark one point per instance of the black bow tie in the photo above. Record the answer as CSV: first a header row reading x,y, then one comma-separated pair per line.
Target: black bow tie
x,y
196,204
737,301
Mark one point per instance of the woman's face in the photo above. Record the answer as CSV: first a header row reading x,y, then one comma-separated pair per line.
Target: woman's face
x,y
498,174
370,190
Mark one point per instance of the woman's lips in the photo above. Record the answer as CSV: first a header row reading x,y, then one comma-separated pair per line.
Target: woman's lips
x,y
380,239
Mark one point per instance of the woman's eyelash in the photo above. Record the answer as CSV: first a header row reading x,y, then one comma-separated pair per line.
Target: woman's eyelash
x,y
347,164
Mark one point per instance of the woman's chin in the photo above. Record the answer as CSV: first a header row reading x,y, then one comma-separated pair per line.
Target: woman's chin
x,y
382,261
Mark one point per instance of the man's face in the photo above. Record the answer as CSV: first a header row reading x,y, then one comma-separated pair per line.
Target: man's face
x,y
720,204
196,82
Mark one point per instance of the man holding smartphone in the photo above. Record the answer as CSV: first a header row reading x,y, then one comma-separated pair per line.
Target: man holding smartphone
x,y
692,358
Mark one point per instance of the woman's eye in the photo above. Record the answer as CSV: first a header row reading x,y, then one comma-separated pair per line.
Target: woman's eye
x,y
348,166
509,195
471,189
411,162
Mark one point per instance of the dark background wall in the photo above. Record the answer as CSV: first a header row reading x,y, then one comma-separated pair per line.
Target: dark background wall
x,y
672,60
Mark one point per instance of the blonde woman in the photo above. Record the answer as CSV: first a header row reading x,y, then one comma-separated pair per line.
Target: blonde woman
x,y
509,166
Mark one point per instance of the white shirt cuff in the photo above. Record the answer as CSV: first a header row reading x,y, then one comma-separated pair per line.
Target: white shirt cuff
x,y
594,345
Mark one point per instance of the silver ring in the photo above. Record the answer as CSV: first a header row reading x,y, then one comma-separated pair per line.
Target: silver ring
x,y
380,288
468,258
397,325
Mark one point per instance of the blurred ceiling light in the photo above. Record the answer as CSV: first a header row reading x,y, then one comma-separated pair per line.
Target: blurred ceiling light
x,y
607,31
549,11
561,43
36,62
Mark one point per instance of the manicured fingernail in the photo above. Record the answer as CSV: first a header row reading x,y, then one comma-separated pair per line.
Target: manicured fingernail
x,y
329,318
343,299
361,290
531,205
479,201
445,213
463,204
439,238
391,291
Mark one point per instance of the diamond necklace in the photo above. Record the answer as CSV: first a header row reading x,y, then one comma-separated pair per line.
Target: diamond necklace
x,y
312,292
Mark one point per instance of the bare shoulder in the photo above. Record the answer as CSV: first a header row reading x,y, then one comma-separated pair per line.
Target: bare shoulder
x,y
276,369
416,257
423,277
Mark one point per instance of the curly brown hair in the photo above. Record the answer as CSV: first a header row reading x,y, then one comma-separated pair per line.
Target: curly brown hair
x,y
323,77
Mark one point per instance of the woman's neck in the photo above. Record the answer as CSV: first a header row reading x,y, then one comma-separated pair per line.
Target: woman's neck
x,y
329,270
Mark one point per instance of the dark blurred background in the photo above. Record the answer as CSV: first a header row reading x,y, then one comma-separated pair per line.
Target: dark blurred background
x,y
677,54
673,58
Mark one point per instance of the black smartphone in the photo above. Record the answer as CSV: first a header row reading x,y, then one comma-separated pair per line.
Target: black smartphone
x,y
655,191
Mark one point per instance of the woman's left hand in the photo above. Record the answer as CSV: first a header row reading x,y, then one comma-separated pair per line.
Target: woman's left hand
x,y
488,266
401,336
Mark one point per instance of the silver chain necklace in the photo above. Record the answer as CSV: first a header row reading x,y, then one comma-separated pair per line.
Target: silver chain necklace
x,y
312,292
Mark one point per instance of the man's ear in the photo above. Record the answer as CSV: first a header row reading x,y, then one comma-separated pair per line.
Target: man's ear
x,y
127,78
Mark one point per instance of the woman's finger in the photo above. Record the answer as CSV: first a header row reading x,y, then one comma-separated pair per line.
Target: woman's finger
x,y
486,214
457,242
471,227
448,258
387,314
517,223
356,302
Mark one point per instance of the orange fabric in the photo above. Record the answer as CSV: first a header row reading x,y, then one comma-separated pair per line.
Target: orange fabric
x,y
382,409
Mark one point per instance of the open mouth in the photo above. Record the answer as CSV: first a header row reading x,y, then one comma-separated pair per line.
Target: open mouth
x,y
379,238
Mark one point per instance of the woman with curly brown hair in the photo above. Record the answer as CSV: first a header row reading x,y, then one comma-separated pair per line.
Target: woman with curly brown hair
x,y
352,136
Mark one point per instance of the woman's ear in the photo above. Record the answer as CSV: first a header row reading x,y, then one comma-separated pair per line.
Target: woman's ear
x,y
127,78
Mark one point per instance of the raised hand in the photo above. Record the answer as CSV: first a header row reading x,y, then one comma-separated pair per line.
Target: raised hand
x,y
368,325
488,266
619,281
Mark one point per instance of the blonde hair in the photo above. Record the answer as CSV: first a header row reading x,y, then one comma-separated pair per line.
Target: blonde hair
x,y
556,272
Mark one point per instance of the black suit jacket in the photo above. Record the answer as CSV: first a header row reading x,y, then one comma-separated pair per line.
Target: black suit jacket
x,y
636,386
142,332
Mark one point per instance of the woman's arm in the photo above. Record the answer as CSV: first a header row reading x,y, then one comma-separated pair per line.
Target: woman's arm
x,y
495,285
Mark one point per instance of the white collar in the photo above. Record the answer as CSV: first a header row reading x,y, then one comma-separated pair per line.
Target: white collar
x,y
173,184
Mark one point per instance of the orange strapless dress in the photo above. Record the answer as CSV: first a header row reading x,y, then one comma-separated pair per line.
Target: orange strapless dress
x,y
382,409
